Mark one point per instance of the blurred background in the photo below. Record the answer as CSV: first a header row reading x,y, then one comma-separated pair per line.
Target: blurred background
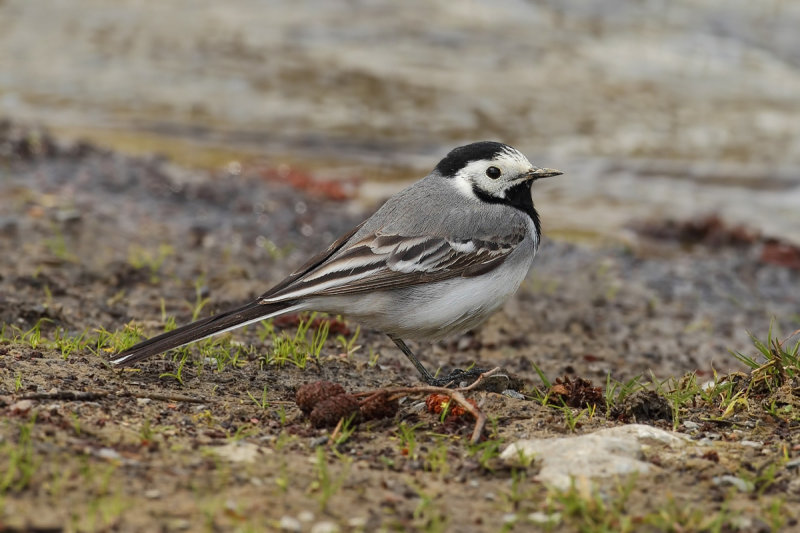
x,y
652,108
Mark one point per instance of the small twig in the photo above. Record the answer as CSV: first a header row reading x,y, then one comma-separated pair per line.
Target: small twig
x,y
166,397
336,430
68,395
789,337
89,396
454,394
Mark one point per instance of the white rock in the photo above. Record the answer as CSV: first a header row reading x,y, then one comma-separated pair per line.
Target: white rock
x,y
325,527
614,451
305,516
542,519
108,453
752,444
240,451
509,518
741,484
357,522
289,523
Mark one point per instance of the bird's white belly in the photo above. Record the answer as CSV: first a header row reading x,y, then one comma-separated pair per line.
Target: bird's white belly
x,y
434,310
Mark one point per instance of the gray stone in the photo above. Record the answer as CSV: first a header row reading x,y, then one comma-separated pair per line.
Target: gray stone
x,y
741,484
325,527
794,463
542,519
108,453
21,407
752,444
357,522
240,451
289,523
614,451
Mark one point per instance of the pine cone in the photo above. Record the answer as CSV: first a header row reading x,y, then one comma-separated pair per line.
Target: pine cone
x,y
328,412
310,394
378,406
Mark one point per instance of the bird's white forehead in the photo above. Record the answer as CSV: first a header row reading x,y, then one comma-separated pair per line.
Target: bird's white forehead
x,y
513,156
509,159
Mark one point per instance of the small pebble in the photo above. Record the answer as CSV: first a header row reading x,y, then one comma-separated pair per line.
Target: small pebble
x,y
289,523
319,441
541,518
358,522
108,453
21,407
752,444
794,463
741,484
691,425
325,527
152,494
143,401
306,516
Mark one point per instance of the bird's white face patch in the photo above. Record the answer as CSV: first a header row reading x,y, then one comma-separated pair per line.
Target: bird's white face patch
x,y
511,165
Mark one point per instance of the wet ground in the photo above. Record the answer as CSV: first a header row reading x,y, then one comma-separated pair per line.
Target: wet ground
x,y
670,109
93,240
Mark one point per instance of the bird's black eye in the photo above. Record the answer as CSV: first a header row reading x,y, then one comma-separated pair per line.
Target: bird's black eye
x,y
493,172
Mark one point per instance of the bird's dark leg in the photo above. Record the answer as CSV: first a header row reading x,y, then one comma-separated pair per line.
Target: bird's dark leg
x,y
455,378
426,376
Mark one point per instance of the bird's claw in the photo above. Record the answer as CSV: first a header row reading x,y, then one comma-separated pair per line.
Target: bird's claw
x,y
458,378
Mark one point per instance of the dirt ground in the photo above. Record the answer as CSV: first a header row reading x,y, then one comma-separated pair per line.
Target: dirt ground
x,y
93,241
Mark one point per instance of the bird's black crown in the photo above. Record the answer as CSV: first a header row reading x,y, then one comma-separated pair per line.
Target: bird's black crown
x,y
460,157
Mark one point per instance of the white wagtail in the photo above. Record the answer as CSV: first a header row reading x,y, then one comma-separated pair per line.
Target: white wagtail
x,y
437,258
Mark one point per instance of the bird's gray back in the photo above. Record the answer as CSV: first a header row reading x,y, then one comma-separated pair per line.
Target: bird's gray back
x,y
432,207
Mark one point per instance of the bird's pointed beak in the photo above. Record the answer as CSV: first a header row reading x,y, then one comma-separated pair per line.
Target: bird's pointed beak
x,y
539,173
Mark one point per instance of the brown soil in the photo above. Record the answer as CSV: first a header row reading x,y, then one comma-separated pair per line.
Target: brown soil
x,y
139,450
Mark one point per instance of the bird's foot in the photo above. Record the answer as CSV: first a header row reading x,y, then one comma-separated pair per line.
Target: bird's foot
x,y
457,378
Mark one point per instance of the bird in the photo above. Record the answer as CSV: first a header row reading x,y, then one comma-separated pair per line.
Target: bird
x,y
437,258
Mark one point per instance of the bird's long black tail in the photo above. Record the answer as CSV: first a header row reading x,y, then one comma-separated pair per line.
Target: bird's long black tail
x,y
201,329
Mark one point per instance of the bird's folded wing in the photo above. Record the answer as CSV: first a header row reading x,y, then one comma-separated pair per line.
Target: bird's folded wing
x,y
380,262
